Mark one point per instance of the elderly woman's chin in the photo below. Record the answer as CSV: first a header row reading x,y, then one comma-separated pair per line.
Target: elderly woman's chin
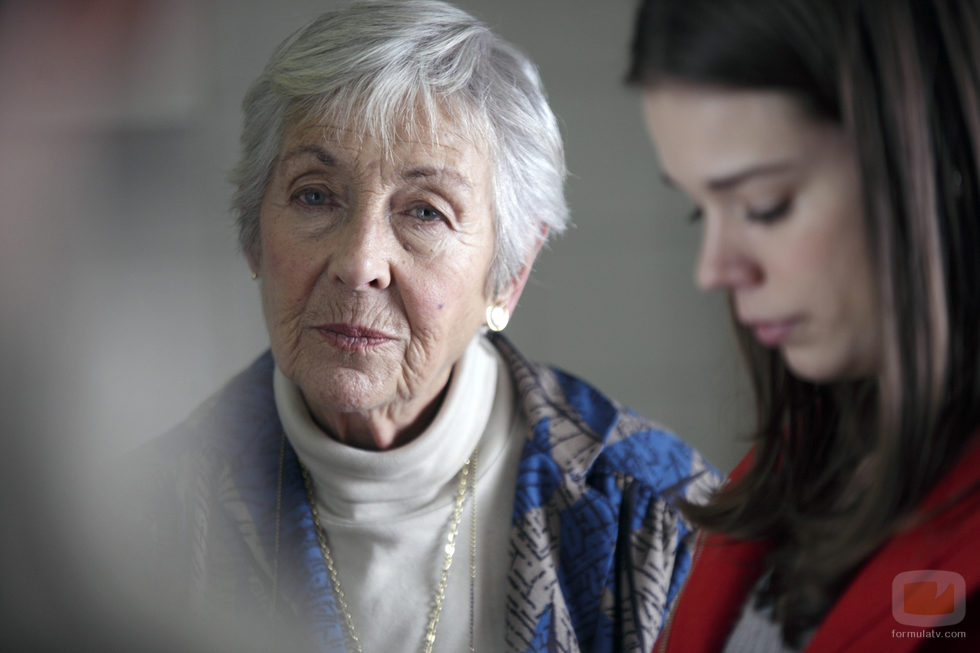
x,y
339,382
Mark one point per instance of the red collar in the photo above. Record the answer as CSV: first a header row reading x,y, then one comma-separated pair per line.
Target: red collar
x,y
724,571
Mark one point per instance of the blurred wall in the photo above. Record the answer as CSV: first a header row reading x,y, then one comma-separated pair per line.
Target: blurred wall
x,y
131,304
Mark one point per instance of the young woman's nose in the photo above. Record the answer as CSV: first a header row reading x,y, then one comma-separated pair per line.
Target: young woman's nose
x,y
724,263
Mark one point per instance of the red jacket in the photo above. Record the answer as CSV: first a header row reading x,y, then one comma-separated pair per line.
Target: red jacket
x,y
862,619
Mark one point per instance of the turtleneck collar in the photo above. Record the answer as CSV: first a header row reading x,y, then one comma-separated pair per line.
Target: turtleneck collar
x,y
358,485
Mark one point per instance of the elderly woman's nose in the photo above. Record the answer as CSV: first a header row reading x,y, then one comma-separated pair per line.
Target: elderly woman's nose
x,y
362,259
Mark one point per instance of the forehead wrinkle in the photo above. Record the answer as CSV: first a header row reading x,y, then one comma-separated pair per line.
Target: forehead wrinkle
x,y
411,160
446,137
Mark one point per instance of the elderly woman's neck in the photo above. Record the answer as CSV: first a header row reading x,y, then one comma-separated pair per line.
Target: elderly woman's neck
x,y
379,430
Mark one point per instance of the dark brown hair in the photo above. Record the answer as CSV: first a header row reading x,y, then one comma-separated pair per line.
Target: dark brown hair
x,y
838,467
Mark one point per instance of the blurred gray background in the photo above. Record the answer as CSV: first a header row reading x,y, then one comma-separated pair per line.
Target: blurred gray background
x,y
126,303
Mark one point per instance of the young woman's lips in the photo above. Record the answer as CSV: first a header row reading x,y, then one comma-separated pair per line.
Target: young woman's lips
x,y
351,338
772,334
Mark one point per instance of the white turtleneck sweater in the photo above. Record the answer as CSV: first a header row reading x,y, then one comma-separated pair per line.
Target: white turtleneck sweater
x,y
387,514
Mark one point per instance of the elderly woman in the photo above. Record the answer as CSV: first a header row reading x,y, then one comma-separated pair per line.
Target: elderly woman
x,y
393,474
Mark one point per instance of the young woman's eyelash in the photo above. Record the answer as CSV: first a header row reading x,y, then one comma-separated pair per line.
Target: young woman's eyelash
x,y
771,214
765,216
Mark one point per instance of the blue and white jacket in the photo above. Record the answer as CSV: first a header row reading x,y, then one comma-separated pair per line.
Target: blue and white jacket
x,y
598,549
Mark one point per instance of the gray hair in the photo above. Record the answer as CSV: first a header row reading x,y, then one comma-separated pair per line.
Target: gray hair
x,y
383,67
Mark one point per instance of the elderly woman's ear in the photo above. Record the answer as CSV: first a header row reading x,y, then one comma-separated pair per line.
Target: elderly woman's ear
x,y
512,293
253,257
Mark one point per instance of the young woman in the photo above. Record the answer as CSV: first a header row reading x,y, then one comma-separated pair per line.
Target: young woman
x,y
832,149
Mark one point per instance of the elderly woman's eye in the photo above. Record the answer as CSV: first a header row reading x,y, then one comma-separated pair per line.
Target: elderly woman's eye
x,y
312,197
426,214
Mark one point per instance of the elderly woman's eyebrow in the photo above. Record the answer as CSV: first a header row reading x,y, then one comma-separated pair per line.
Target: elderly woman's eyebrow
x,y
439,174
321,154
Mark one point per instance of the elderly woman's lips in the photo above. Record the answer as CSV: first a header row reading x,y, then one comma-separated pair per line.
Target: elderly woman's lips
x,y
347,337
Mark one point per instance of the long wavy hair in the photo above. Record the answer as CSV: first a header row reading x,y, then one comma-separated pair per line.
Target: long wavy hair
x,y
838,468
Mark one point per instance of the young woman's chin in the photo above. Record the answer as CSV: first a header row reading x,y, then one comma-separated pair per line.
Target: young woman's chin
x,y
820,365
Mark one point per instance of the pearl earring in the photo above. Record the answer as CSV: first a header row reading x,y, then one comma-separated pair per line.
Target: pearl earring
x,y
497,316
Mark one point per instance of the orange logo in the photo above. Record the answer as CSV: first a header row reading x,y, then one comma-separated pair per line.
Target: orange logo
x,y
928,598
925,598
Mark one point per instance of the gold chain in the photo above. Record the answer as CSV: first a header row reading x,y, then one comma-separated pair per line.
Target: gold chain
x,y
476,453
467,481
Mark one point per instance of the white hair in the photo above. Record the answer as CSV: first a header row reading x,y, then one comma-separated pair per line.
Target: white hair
x,y
382,68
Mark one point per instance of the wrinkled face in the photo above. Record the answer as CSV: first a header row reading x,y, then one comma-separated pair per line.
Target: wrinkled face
x,y
779,196
373,268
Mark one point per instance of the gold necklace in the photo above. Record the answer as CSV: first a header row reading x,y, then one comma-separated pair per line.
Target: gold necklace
x,y
466,485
